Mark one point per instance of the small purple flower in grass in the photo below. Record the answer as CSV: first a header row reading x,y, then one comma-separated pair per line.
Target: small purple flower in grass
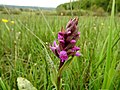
x,y
60,36
63,56
67,39
72,41
75,48
77,54
55,48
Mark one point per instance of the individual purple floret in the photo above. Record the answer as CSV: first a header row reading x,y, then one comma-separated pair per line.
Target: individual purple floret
x,y
67,39
63,56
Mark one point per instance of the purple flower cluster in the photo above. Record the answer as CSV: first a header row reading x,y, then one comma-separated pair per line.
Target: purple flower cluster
x,y
67,40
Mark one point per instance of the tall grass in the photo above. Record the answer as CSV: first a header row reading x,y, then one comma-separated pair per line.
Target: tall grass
x,y
110,64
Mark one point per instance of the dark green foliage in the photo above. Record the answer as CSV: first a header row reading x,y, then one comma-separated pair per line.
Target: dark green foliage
x,y
1,8
11,11
89,4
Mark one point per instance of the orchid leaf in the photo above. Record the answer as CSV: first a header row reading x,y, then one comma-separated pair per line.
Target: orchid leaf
x,y
65,65
24,84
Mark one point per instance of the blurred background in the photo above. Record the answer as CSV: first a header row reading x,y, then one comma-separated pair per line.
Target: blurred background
x,y
60,7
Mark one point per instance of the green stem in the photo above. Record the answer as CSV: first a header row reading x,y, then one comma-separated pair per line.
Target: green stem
x,y
58,82
59,77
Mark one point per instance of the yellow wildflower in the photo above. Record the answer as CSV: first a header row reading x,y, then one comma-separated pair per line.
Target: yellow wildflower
x,y
12,22
4,20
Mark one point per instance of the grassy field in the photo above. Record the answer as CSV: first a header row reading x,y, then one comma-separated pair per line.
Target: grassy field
x,y
24,52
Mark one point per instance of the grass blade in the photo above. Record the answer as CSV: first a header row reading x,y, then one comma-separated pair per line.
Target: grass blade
x,y
2,85
108,58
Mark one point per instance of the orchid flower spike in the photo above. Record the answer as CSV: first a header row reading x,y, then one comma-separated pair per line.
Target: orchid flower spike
x,y
67,39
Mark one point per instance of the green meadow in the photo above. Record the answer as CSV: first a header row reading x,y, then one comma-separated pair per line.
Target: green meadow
x,y
25,52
